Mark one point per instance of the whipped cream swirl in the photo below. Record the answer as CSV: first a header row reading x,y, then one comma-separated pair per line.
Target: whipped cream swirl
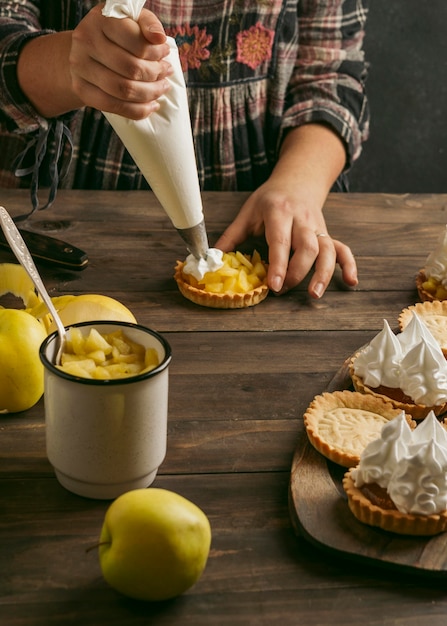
x,y
423,375
410,464
199,267
379,363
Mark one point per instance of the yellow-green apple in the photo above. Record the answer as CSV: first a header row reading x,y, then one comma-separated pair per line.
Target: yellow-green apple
x,y
21,372
154,544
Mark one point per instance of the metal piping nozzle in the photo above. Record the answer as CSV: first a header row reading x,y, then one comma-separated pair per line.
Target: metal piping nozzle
x,y
196,239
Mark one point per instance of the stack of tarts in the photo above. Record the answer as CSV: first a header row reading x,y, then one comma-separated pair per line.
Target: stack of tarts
x,y
393,445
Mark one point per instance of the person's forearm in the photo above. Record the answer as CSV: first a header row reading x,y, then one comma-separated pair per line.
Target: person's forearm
x,y
44,75
314,154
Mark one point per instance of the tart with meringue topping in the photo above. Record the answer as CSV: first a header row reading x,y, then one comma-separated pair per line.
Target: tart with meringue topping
x,y
408,369
400,483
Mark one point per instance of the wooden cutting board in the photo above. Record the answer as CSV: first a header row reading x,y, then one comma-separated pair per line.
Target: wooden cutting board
x,y
320,512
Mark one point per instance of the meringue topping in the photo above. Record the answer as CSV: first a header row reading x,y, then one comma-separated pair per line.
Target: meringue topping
x,y
410,464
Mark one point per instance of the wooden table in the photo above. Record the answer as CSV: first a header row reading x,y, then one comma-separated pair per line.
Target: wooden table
x,y
239,384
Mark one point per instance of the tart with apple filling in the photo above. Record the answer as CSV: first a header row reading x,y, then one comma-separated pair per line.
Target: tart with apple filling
x,y
240,282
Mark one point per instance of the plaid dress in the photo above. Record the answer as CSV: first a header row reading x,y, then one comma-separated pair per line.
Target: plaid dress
x,y
253,69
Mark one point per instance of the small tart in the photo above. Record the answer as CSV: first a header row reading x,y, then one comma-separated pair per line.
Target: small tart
x,y
342,423
425,295
395,396
390,518
433,314
226,300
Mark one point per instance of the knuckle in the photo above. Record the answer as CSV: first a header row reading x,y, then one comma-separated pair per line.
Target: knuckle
x,y
136,71
126,90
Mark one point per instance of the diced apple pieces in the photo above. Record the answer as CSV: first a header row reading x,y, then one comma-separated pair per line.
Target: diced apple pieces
x,y
240,273
104,357
95,342
435,288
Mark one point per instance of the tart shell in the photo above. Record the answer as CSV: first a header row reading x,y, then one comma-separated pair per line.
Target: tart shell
x,y
391,519
342,423
218,300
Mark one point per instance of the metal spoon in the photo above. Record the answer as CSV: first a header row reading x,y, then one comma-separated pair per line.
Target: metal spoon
x,y
24,257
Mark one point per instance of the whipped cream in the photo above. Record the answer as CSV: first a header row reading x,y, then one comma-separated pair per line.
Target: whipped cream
x,y
415,332
411,361
199,267
423,375
436,263
379,363
410,464
379,457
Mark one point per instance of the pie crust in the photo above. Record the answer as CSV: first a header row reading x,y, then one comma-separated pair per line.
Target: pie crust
x,y
218,300
391,519
342,423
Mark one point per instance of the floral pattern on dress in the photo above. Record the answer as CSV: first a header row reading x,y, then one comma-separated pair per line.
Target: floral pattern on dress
x,y
192,43
254,46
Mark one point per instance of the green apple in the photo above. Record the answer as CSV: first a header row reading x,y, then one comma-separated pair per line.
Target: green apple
x,y
21,372
154,544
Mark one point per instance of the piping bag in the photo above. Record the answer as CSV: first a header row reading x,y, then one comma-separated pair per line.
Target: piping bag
x,y
162,146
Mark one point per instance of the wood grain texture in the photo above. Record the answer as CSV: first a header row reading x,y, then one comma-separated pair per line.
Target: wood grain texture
x,y
239,385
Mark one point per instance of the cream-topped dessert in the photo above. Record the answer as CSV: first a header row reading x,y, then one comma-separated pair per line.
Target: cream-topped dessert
x,y
411,464
400,483
409,369
229,280
431,281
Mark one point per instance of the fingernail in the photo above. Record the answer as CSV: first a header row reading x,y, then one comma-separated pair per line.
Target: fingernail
x,y
318,290
155,28
276,283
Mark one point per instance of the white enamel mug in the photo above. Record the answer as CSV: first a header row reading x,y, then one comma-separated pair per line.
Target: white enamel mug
x,y
106,437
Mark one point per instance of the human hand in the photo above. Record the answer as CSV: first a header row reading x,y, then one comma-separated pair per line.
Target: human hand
x,y
297,237
117,65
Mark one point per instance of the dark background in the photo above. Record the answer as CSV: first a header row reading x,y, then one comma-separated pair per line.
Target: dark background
x,y
406,46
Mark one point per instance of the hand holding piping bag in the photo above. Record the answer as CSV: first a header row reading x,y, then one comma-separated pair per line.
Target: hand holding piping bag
x,y
154,144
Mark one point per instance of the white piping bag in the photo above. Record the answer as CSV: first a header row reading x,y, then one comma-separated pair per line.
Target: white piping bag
x,y
162,146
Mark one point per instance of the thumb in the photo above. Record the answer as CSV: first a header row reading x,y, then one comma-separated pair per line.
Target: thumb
x,y
151,27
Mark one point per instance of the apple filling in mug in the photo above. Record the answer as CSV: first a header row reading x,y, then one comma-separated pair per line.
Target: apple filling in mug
x,y
103,357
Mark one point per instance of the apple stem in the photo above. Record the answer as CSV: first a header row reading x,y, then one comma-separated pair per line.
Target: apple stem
x,y
97,545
